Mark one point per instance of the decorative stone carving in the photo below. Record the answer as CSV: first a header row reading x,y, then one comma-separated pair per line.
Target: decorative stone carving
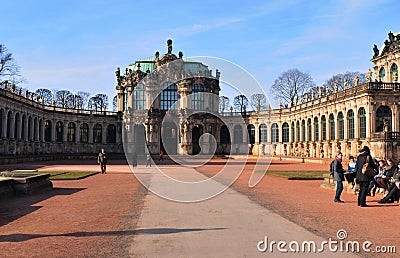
x,y
356,79
368,76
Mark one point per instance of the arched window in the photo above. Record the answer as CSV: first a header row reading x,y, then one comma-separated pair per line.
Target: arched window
x,y
197,97
30,128
237,134
111,134
285,132
292,135
263,132
309,130
139,97
303,130
383,115
340,119
84,133
97,132
350,123
9,125
225,135
23,127
71,132
331,127
362,118
298,131
59,131
47,131
316,129
323,124
274,133
169,97
382,74
251,133
394,72
17,127
1,123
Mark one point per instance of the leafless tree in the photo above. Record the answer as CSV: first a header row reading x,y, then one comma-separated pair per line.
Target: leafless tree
x,y
83,99
9,70
291,85
98,102
259,101
46,95
341,77
62,97
223,103
241,102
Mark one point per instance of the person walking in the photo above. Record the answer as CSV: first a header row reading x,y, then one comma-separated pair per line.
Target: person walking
x,y
338,176
148,160
134,160
161,156
102,160
362,179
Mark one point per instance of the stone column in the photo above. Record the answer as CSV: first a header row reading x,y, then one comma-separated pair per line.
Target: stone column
x,y
104,133
90,132
370,121
4,124
65,130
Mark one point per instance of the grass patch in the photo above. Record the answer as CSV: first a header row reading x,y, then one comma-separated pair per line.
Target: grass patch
x,y
299,175
58,175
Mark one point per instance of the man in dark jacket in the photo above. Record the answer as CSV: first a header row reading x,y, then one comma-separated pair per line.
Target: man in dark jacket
x,y
362,179
338,176
102,160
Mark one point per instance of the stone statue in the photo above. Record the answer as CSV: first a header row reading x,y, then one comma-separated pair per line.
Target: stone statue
x,y
169,43
118,72
376,50
326,91
395,77
386,125
368,77
180,54
306,97
319,92
217,74
356,79
336,87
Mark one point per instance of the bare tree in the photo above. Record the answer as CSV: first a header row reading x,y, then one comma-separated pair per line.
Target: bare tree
x,y
241,102
291,85
99,102
223,103
62,97
73,101
46,95
259,101
340,78
9,70
83,100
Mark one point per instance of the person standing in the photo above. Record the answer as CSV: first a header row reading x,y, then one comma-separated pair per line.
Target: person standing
x,y
362,179
161,156
102,160
338,176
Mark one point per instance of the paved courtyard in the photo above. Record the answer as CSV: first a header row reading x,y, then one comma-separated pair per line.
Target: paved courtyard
x,y
113,215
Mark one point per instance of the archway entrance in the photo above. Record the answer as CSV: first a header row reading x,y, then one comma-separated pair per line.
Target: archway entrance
x,y
140,139
196,133
169,138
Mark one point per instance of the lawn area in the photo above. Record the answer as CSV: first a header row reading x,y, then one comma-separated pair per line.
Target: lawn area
x,y
56,175
299,175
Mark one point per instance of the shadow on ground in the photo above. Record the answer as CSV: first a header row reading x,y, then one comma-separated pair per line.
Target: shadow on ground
x,y
17,207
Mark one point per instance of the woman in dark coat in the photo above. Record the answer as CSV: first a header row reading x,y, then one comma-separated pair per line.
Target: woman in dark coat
x,y
362,179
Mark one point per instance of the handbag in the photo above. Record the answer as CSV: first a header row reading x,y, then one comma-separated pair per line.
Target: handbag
x,y
367,169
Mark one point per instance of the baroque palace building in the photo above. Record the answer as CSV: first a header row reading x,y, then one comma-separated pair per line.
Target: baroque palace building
x,y
171,103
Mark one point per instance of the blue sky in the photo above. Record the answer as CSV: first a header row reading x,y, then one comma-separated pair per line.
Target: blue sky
x,y
77,45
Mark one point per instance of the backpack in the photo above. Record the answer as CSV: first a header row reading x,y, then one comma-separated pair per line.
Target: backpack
x,y
332,168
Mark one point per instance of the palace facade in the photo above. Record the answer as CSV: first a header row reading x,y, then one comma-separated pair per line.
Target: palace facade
x,y
170,103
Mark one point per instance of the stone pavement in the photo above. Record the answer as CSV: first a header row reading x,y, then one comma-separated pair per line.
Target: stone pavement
x,y
228,225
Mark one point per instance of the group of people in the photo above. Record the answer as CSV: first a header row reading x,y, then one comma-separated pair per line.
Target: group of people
x,y
102,160
387,177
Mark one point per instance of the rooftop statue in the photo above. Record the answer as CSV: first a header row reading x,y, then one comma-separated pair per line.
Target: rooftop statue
x,y
368,77
376,50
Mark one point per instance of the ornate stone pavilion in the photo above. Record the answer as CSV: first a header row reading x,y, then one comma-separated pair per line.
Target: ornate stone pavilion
x,y
318,125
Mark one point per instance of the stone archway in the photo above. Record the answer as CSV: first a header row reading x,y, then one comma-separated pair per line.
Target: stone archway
x,y
196,133
169,138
